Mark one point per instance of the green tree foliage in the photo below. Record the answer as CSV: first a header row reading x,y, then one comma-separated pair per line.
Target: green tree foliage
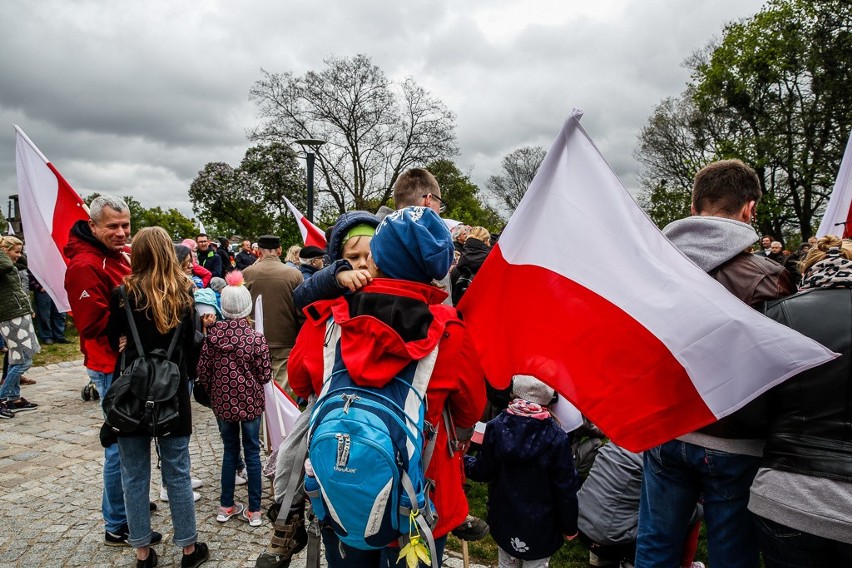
x,y
517,172
373,129
463,197
249,200
773,92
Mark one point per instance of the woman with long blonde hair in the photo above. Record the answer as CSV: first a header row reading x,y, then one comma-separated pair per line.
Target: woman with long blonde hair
x,y
16,327
161,302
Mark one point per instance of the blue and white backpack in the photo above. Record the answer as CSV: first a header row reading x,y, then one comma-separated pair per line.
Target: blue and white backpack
x,y
369,449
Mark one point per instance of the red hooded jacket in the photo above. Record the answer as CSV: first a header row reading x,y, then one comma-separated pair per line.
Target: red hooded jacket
x,y
385,326
93,271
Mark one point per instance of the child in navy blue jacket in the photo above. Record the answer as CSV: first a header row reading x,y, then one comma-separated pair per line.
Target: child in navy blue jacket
x,y
532,497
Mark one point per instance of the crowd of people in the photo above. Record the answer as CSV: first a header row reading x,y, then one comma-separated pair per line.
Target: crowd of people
x,y
773,480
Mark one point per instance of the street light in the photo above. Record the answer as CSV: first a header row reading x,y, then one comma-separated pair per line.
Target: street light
x,y
309,145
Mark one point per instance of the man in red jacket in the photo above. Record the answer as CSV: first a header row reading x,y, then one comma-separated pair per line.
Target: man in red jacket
x,y
98,261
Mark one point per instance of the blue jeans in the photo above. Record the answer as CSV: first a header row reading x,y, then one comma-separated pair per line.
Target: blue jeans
x,y
785,547
11,389
112,502
676,475
136,475
339,555
51,322
230,432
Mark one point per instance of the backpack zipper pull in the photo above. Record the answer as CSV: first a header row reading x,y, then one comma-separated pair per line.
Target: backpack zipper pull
x,y
348,400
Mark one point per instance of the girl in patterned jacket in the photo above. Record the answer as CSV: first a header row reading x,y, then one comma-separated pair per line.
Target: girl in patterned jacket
x,y
234,365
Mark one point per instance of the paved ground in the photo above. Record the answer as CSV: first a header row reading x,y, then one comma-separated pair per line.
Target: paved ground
x,y
50,471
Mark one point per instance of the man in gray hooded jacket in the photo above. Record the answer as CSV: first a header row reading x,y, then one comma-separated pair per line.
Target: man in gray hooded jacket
x,y
718,462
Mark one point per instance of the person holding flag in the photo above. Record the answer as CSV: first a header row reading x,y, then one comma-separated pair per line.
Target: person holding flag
x,y
718,461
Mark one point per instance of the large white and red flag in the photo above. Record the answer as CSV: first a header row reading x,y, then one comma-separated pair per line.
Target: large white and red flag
x,y
311,234
837,219
585,293
281,411
49,207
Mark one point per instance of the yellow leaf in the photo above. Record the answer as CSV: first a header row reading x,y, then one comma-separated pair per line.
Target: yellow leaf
x,y
422,552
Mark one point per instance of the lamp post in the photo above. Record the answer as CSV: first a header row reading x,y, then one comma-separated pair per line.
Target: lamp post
x,y
309,145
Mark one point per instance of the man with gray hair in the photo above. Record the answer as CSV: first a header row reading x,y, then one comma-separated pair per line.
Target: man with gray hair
x,y
99,260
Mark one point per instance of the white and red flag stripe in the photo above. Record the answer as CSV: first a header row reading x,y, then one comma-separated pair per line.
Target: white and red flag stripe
x,y
281,411
49,207
311,234
585,293
837,219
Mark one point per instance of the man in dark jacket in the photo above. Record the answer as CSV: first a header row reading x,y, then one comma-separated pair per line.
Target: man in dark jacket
x,y
719,461
99,260
310,260
207,257
244,258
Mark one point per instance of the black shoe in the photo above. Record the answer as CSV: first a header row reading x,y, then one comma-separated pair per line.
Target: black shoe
x,y
61,340
120,538
471,529
269,560
199,556
149,562
5,412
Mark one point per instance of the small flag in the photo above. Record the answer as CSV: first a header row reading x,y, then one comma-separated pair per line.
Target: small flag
x,y
311,234
837,219
49,207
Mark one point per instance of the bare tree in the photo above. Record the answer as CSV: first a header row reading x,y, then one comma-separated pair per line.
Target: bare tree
x,y
374,129
518,170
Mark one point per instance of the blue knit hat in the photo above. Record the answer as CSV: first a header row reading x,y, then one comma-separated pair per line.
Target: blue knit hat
x,y
413,244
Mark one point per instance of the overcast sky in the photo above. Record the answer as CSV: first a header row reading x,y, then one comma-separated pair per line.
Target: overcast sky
x,y
134,98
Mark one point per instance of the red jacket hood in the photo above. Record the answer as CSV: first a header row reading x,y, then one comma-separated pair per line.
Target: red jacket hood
x,y
385,326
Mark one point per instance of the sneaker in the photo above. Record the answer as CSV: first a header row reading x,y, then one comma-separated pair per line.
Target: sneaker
x,y
5,412
164,495
149,562
120,538
597,561
27,381
226,513
241,478
471,529
289,537
196,483
695,565
254,518
198,557
21,405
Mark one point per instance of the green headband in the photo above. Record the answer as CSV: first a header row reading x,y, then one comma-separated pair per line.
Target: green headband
x,y
362,230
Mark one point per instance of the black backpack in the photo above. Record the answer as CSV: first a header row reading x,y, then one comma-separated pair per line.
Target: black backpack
x,y
144,398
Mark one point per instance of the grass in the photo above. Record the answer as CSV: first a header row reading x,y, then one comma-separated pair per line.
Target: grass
x,y
572,554
59,352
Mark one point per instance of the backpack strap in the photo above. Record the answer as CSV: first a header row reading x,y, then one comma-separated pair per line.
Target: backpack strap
x,y
131,322
135,332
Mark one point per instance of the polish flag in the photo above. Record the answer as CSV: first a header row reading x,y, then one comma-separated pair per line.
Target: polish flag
x,y
49,207
585,293
281,411
837,219
311,234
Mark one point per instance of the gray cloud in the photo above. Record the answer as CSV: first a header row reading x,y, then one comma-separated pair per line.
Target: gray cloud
x,y
134,98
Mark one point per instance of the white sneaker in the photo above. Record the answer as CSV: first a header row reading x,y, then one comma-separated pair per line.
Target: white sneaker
x,y
196,483
226,513
695,565
241,478
164,495
255,519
